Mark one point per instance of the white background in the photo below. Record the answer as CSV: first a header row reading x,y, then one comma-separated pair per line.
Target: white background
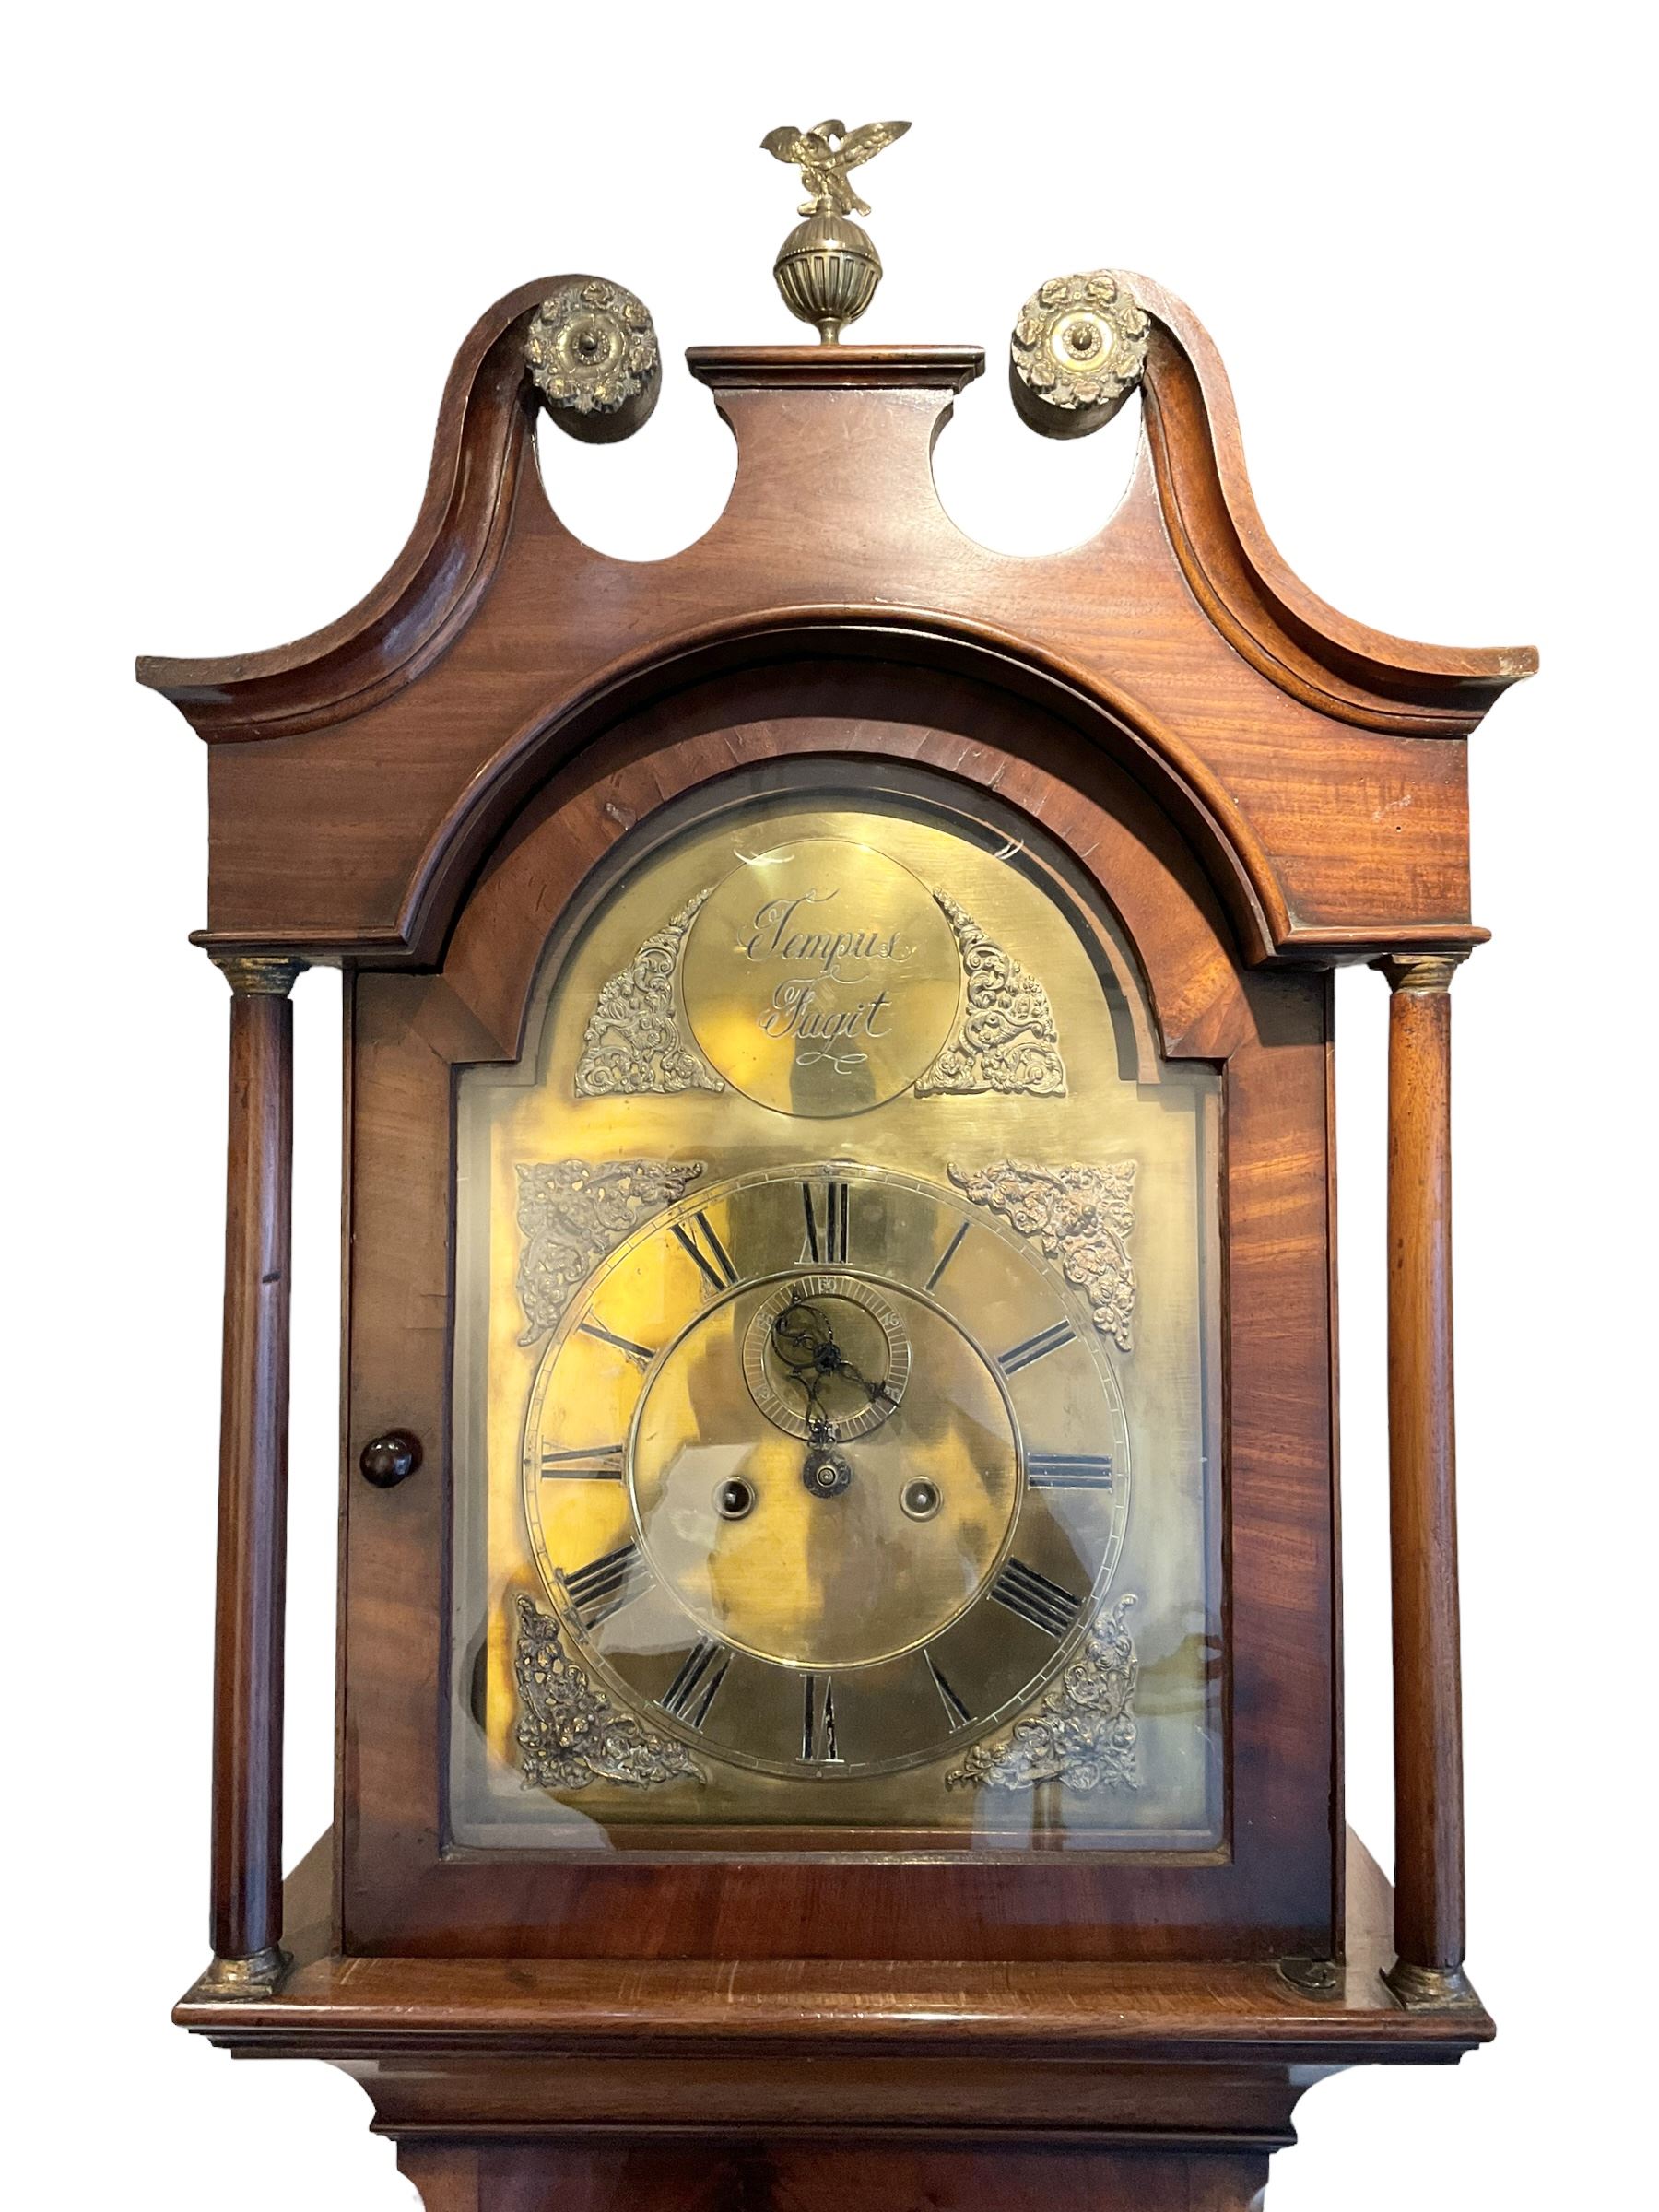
x,y
246,243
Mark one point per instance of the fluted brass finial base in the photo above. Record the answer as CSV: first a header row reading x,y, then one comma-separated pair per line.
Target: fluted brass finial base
x,y
828,269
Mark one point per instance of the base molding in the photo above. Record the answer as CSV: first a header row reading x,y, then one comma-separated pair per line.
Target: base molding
x,y
812,2085
769,2175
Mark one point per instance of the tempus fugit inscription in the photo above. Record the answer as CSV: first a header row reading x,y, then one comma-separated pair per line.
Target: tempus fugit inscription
x,y
820,979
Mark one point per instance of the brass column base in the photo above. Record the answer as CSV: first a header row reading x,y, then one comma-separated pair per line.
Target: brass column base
x,y
1430,1988
258,1975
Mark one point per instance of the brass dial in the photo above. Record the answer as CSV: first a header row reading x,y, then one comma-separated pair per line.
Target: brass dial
x,y
896,1484
823,1572
833,1233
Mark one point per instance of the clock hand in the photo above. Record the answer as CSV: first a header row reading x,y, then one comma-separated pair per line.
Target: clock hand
x,y
812,1348
875,1390
799,1347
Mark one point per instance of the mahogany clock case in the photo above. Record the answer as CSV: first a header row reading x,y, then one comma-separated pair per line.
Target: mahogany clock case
x,y
434,791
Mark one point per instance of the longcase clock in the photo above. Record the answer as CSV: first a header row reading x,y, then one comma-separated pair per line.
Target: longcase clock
x,y
839,1642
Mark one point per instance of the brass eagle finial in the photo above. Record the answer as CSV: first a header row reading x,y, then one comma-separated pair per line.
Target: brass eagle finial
x,y
824,153
827,268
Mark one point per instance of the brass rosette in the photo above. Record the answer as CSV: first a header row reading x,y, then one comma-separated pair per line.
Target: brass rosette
x,y
1076,353
592,351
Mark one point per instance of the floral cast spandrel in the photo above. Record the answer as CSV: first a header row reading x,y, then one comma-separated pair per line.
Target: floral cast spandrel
x,y
633,1044
573,1212
1006,1041
1081,1217
570,1734
1082,1733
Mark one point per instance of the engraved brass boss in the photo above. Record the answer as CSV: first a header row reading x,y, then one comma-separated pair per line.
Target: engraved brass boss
x,y
821,979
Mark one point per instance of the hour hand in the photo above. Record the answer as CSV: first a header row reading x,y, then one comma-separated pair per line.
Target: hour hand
x,y
856,1374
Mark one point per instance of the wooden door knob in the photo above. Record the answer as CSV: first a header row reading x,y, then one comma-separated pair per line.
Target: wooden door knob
x,y
388,1460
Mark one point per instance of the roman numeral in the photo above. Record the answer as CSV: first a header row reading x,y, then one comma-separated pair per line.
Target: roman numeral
x,y
947,1256
1068,1471
642,1352
959,1713
708,1250
1035,1599
1037,1347
592,1463
691,1692
817,1722
826,1238
604,1585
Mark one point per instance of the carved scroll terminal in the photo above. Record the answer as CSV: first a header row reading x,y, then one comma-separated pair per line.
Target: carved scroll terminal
x,y
1082,1733
1079,1217
633,1042
570,1734
573,1212
1006,1041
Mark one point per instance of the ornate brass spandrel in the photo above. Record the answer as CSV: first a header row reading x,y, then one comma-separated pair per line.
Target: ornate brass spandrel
x,y
1081,1217
1081,1733
1077,352
572,1212
827,268
570,1734
592,353
1007,1040
634,1042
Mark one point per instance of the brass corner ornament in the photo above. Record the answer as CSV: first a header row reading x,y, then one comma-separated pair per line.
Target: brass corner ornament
x,y
1006,1041
828,268
633,1044
1077,352
592,353
572,1212
1082,1733
1079,1217
571,1735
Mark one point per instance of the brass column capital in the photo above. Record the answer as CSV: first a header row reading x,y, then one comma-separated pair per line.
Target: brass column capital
x,y
1429,973
258,974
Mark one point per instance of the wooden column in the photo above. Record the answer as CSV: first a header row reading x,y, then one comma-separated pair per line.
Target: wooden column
x,y
1428,1853
253,1531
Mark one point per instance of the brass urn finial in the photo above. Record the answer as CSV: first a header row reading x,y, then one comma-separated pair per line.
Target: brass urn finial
x,y
828,268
